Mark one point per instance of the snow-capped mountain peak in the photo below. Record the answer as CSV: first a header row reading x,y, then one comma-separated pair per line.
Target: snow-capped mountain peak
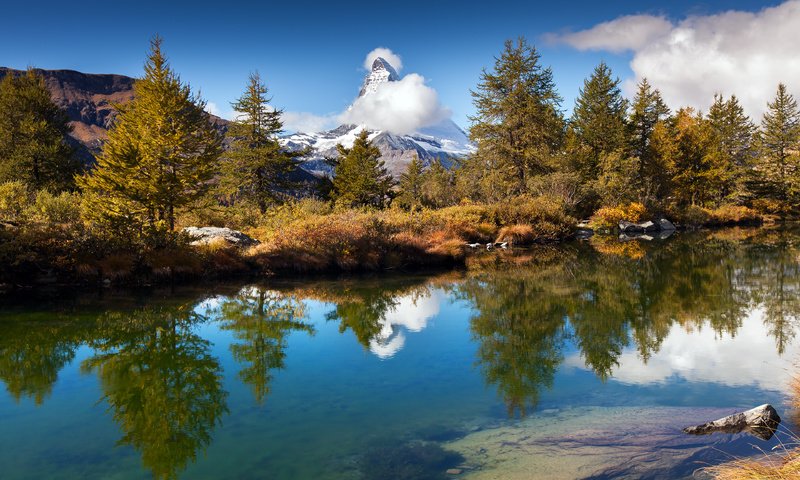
x,y
382,72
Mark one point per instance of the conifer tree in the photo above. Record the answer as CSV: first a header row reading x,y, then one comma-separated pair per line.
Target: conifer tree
x,y
733,142
439,187
779,141
518,126
256,167
33,135
161,153
647,110
697,167
360,178
411,183
598,121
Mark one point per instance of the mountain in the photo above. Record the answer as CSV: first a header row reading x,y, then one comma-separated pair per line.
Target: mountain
x,y
444,141
89,101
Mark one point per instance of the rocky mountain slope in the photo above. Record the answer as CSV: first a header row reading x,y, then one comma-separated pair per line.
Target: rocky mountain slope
x,y
444,141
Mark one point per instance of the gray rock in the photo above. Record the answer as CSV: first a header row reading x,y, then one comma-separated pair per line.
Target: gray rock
x,y
760,422
630,227
207,235
665,225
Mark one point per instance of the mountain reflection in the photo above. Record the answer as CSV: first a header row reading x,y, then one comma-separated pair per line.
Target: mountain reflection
x,y
632,312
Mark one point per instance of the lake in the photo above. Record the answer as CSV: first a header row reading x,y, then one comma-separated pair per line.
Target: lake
x,y
581,360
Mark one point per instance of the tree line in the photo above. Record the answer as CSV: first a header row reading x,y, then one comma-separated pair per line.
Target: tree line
x,y
164,156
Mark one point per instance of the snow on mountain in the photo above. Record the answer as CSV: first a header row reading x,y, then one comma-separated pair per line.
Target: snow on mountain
x,y
444,141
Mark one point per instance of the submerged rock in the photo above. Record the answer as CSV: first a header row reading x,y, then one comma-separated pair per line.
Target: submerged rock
x,y
665,225
760,422
207,235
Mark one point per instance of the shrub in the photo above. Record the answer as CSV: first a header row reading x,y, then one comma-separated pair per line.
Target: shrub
x,y
47,208
609,217
13,198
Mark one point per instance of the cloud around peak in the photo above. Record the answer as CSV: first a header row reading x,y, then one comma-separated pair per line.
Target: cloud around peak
x,y
732,52
385,53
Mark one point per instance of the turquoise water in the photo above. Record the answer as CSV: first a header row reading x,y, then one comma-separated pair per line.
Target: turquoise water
x,y
376,377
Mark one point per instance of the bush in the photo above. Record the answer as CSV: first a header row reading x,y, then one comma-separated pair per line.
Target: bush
x,y
50,209
13,198
609,217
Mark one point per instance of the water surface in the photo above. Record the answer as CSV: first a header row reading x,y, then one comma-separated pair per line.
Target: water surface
x,y
577,361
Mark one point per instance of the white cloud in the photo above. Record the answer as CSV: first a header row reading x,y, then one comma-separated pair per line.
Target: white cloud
x,y
631,32
388,55
705,356
734,52
307,122
400,107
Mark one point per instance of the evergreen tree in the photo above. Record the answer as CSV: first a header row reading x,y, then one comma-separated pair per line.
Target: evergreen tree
x,y
360,178
33,135
779,141
697,166
256,167
733,141
518,126
647,110
439,187
598,122
161,153
411,182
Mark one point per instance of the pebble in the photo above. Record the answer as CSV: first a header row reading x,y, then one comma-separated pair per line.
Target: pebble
x,y
453,471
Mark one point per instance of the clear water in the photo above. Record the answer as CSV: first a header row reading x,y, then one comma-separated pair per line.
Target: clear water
x,y
390,376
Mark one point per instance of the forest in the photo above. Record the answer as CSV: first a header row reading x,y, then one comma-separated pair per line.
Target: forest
x,y
535,173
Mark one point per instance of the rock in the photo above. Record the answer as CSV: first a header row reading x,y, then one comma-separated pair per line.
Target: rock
x,y
665,225
207,235
453,471
760,422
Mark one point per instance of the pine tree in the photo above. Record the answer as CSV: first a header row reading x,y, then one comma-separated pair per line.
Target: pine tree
x,y
439,187
779,141
161,153
647,110
33,135
697,166
256,167
518,126
360,178
411,183
733,141
598,122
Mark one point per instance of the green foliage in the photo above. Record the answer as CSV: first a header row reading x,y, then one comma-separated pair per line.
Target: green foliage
x,y
256,167
33,135
14,196
518,126
648,112
598,122
411,185
734,147
779,141
360,178
161,152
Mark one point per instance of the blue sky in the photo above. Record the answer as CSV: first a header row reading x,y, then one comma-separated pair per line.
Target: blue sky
x,y
311,53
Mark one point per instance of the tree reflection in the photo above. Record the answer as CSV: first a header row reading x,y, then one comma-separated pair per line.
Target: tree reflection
x,y
261,320
32,354
163,387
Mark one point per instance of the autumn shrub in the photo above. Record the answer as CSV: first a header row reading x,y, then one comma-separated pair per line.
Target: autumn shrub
x,y
13,198
517,234
609,217
734,215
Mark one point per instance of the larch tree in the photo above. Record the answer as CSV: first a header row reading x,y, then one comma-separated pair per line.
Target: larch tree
x,y
360,178
161,153
257,167
733,141
697,166
33,135
647,111
411,183
518,125
598,122
779,142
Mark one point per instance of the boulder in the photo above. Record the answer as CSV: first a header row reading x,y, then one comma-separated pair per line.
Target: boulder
x,y
630,227
207,235
665,225
760,422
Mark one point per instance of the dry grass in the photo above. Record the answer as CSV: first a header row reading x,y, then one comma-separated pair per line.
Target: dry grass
x,y
609,217
519,234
